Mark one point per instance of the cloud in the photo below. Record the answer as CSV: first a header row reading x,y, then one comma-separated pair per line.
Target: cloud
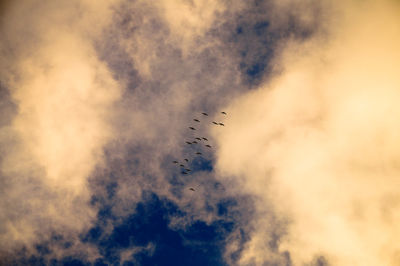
x,y
64,97
76,142
100,98
317,144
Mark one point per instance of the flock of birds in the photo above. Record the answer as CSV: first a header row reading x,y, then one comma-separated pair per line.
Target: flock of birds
x,y
199,140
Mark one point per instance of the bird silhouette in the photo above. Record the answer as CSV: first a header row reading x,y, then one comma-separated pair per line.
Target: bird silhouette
x,y
175,161
205,139
186,160
208,146
192,189
198,153
223,113
188,142
196,120
192,128
221,124
204,114
215,123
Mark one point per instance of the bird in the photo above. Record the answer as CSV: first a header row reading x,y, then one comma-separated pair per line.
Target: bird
x,y
198,153
198,138
196,120
208,146
215,123
194,142
188,170
205,139
192,128
204,114
175,161
223,113
184,173
181,165
186,160
221,124
192,189
188,142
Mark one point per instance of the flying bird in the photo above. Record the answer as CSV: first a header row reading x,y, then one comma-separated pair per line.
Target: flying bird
x,y
186,160
188,170
204,114
184,173
223,113
198,138
192,128
188,142
198,153
192,189
195,142
181,165
205,139
215,123
196,120
221,124
175,161
208,146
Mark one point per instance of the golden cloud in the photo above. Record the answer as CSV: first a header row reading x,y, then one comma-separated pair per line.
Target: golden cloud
x,y
64,96
320,142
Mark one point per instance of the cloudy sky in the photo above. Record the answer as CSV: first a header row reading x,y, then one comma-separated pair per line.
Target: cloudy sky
x,y
96,98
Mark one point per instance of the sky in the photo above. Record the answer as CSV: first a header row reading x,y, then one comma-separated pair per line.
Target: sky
x,y
96,98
